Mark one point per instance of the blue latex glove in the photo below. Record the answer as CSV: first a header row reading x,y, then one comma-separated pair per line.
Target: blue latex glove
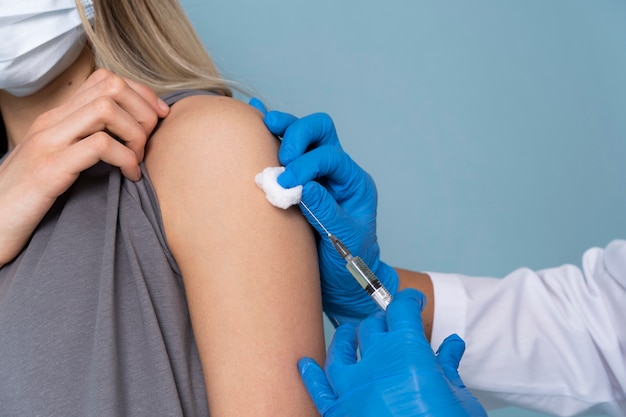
x,y
398,374
343,197
449,356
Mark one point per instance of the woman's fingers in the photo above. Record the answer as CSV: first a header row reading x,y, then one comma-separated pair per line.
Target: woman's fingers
x,y
109,118
126,109
100,115
100,147
52,171
127,92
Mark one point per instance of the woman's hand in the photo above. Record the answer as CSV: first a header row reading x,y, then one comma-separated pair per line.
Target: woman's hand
x,y
108,119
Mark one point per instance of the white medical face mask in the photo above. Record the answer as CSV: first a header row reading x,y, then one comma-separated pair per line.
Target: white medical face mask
x,y
39,39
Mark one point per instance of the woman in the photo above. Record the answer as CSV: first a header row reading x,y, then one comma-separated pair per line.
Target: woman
x,y
132,285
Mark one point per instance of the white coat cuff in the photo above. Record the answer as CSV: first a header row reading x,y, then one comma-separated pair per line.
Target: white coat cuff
x,y
450,307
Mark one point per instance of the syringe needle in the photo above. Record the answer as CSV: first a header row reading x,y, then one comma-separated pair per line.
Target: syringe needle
x,y
358,269
316,219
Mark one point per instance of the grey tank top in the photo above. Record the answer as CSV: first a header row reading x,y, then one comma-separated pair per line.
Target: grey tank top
x,y
93,314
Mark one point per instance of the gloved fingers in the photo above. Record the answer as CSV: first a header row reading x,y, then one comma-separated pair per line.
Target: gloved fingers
x,y
342,349
404,311
258,104
317,384
370,331
323,206
302,134
328,162
278,122
449,356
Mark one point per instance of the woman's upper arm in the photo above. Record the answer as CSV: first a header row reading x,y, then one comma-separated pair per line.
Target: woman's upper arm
x,y
249,269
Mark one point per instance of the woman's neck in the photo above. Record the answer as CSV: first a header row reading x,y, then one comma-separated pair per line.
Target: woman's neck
x,y
19,113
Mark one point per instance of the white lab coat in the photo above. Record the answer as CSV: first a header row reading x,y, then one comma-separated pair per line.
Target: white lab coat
x,y
552,340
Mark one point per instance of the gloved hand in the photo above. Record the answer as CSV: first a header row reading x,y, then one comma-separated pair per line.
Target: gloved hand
x,y
449,355
398,374
343,197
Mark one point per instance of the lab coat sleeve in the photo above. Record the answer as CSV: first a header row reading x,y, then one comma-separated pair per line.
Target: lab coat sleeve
x,y
553,340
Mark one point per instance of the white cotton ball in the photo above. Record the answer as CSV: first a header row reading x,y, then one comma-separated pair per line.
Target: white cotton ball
x,y
274,192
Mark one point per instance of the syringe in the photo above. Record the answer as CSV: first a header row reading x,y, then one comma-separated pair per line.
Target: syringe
x,y
359,270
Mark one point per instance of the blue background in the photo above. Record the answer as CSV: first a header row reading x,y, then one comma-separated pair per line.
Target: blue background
x,y
495,131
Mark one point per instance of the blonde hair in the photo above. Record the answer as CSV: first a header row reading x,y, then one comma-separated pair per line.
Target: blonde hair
x,y
152,42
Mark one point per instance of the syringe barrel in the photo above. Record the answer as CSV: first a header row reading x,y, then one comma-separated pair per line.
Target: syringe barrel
x,y
370,283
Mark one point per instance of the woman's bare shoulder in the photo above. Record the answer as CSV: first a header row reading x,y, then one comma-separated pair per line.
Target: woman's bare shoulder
x,y
202,162
220,130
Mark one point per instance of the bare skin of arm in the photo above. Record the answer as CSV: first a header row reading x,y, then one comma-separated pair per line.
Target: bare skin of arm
x,y
250,269
421,282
